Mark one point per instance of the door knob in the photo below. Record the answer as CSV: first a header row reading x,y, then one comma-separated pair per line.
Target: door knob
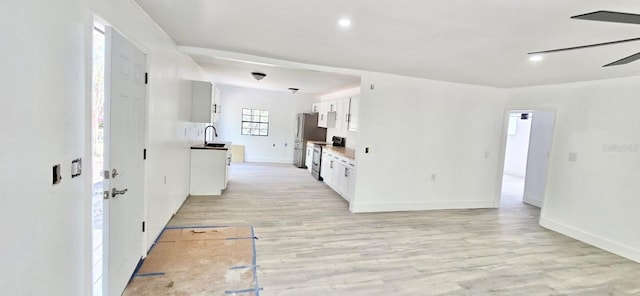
x,y
115,192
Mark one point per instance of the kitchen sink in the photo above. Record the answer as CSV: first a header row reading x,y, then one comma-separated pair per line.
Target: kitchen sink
x,y
215,144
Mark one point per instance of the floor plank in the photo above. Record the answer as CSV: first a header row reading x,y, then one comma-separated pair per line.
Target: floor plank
x,y
310,244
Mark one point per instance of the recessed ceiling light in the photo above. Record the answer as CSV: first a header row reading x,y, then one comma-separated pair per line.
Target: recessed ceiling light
x,y
535,58
344,23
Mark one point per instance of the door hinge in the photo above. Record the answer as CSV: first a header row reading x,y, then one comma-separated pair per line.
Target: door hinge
x,y
144,226
106,175
146,78
144,154
105,194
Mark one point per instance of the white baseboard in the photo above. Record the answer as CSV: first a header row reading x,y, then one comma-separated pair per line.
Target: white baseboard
x,y
536,202
419,206
592,239
269,160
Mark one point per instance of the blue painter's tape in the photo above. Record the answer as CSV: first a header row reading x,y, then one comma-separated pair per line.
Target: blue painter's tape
x,y
135,271
155,242
150,274
255,272
235,238
185,227
242,291
243,266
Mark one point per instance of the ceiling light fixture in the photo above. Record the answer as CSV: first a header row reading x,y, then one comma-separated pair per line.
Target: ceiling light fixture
x,y
535,58
258,76
344,23
293,90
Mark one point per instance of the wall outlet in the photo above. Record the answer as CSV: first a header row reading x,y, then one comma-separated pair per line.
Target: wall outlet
x,y
486,154
433,177
573,157
165,180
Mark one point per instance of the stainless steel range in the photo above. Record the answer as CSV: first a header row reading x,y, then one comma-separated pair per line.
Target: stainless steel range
x,y
316,163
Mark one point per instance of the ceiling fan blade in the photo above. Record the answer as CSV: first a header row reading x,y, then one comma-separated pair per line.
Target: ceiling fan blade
x,y
626,60
585,46
610,16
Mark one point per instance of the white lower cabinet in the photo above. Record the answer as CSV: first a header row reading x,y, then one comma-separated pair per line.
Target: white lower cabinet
x,y
339,173
350,175
326,167
209,171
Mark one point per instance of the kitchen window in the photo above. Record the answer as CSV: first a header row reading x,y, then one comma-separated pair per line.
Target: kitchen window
x,y
255,122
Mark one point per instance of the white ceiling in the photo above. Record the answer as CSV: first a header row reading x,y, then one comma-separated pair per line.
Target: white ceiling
x,y
278,78
469,41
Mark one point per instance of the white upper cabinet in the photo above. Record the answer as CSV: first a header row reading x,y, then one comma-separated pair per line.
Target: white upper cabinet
x,y
315,108
338,118
331,106
215,110
338,114
201,101
323,110
353,118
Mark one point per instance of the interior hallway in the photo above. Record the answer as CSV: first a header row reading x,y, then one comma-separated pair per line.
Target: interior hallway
x,y
310,244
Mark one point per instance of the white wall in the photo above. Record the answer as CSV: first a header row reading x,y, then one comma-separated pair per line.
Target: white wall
x,y
415,128
282,107
44,80
44,249
594,199
541,137
515,160
352,137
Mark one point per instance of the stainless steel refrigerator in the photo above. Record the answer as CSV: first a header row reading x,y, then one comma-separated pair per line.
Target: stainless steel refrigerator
x,y
306,130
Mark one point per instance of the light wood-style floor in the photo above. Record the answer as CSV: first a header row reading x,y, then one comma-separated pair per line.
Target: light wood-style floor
x,y
310,244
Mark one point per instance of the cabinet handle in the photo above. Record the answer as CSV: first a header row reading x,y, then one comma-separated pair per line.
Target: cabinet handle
x,y
346,172
331,164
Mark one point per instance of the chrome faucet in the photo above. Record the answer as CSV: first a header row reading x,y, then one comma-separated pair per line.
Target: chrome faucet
x,y
215,133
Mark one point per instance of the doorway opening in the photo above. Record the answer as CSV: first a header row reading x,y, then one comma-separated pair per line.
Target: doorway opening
x,y
526,157
97,155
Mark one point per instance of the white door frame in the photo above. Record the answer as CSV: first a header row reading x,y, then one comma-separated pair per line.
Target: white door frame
x,y
503,147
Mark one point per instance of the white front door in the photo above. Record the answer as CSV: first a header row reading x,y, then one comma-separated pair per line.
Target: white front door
x,y
125,93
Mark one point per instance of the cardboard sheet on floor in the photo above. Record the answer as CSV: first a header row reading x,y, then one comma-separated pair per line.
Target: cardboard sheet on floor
x,y
197,261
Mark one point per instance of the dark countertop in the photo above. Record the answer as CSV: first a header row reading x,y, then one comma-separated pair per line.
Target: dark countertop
x,y
227,146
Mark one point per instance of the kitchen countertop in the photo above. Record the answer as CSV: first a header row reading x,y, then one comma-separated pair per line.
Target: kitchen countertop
x,y
342,151
227,146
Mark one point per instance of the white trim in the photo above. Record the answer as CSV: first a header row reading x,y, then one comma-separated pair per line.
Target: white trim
x,y
269,160
419,206
534,201
592,239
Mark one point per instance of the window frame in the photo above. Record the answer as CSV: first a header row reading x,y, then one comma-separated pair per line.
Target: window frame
x,y
253,117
